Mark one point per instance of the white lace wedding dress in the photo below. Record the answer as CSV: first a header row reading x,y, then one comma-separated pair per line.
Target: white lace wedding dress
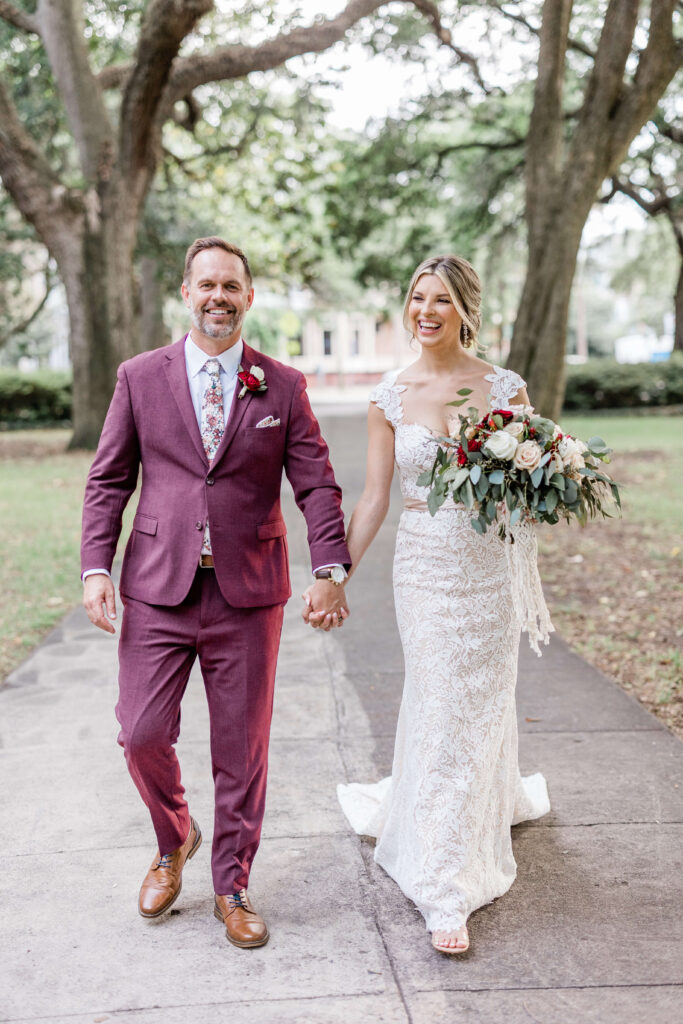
x,y
442,819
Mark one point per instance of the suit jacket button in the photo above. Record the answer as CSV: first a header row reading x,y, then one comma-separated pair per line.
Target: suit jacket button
x,y
199,526
210,481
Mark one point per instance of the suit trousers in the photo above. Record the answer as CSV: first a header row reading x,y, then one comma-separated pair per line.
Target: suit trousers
x,y
237,650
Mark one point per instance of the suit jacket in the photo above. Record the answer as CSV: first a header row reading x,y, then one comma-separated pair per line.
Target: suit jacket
x,y
151,423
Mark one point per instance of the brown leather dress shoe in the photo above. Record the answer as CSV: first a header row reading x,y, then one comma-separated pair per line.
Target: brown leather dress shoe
x,y
164,880
243,926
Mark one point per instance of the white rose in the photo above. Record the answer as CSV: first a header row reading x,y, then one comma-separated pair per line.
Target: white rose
x,y
501,445
528,455
567,447
516,428
556,432
581,446
575,461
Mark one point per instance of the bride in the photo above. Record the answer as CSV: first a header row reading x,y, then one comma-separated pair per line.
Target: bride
x,y
442,820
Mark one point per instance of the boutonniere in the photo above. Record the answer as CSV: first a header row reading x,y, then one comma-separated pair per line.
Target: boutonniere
x,y
253,380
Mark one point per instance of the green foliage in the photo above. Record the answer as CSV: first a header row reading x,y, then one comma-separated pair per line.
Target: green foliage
x,y
606,384
30,399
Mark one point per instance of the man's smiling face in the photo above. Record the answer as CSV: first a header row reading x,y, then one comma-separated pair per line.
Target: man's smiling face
x,y
218,294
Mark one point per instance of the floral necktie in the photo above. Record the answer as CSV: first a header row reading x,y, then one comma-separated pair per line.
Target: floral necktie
x,y
213,425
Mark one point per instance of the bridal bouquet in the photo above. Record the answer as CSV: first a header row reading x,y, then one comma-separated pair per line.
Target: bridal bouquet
x,y
513,464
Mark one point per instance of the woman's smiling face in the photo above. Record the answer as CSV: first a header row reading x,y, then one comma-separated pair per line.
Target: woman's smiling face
x,y
433,317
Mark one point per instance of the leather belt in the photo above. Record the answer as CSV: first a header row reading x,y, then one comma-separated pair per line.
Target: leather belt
x,y
206,561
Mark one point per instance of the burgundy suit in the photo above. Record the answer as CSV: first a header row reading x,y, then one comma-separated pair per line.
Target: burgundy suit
x,y
229,617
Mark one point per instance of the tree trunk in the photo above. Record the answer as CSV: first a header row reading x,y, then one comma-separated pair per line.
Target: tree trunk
x,y
96,268
678,312
153,330
540,333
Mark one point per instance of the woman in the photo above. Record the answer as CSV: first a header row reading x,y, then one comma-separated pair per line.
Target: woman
x,y
442,820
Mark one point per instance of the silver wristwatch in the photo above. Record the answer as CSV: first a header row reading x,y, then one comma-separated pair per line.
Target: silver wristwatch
x,y
336,574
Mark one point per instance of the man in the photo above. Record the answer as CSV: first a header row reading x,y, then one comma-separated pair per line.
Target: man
x,y
205,572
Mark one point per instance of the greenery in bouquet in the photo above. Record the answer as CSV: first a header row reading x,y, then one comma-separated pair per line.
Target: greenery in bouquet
x,y
513,464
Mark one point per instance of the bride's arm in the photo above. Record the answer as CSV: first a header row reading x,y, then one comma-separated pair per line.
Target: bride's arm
x,y
373,505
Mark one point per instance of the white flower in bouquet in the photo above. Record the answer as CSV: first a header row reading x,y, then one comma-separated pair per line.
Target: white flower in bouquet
x,y
501,445
556,432
567,446
528,455
570,453
470,432
453,426
515,428
557,463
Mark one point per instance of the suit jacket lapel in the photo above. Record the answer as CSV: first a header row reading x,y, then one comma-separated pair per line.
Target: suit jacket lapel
x,y
176,373
250,357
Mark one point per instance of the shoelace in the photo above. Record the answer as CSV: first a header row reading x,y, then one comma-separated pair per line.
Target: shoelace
x,y
165,861
238,900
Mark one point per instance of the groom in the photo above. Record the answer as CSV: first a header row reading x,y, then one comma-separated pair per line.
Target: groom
x,y
205,574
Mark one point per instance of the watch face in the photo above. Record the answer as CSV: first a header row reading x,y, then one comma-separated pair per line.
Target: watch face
x,y
337,574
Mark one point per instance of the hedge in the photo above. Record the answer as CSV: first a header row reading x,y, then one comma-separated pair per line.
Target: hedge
x,y
606,384
42,398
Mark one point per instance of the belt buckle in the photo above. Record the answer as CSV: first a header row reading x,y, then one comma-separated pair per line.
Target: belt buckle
x,y
204,563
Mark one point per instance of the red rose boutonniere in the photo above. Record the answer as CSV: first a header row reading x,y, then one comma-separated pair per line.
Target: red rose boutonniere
x,y
252,380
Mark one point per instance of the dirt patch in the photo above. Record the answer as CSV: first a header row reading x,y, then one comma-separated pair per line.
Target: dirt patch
x,y
26,444
615,592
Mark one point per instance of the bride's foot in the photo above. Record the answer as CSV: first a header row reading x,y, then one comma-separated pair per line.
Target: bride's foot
x,y
451,942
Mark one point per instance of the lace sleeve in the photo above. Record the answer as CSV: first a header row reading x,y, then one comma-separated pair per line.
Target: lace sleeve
x,y
505,384
387,396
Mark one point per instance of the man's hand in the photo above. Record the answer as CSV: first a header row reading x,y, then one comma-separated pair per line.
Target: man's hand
x,y
326,605
98,595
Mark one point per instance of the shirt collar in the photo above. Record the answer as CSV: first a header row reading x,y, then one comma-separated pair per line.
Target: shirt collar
x,y
229,360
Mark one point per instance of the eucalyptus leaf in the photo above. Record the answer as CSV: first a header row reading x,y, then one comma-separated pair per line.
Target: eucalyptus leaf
x,y
551,500
537,476
497,476
514,517
460,477
475,473
435,501
477,525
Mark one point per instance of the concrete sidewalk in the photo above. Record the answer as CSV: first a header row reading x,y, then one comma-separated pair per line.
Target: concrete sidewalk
x,y
591,931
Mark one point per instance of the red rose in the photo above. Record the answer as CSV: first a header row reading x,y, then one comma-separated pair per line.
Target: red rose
x,y
474,445
505,414
462,458
250,382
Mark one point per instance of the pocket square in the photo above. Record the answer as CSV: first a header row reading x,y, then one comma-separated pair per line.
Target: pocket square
x,y
268,422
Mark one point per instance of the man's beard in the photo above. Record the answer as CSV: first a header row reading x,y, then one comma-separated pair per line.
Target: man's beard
x,y
202,321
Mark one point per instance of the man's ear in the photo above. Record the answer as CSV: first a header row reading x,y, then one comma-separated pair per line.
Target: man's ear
x,y
185,292
250,299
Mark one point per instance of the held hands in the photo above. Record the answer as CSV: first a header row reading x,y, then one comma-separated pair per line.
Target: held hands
x,y
98,595
325,605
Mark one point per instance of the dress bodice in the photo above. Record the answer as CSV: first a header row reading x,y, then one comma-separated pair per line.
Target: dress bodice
x,y
415,445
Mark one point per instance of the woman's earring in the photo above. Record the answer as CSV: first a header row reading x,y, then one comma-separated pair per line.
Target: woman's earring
x,y
465,335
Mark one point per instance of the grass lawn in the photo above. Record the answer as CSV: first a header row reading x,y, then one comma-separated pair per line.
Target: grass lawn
x,y
615,588
40,524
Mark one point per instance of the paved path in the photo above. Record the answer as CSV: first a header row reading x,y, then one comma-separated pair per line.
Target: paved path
x,y
590,932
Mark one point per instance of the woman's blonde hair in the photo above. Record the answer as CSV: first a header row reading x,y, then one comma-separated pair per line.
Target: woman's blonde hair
x,y
462,283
